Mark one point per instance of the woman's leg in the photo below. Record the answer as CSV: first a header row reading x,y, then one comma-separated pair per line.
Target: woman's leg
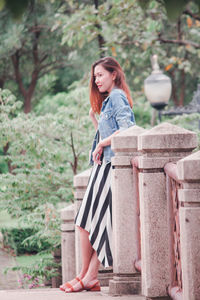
x,y
86,251
86,254
90,278
92,271
90,264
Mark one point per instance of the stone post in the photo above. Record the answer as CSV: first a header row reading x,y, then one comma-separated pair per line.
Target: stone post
x,y
68,243
125,217
80,185
160,145
189,196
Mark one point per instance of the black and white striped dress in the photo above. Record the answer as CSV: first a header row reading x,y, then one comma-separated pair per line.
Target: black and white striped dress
x,y
95,213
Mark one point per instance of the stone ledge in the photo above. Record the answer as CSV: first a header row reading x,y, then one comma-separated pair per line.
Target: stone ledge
x,y
189,168
167,136
121,285
187,195
81,180
127,140
67,213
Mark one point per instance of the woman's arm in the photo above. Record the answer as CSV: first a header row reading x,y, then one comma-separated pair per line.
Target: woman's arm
x,y
99,148
93,118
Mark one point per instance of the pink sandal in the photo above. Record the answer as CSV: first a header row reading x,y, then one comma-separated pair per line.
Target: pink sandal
x,y
68,285
94,288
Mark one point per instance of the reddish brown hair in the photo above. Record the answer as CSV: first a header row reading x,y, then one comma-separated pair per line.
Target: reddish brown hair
x,y
111,65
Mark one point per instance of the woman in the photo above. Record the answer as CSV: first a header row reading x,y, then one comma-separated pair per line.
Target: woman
x,y
109,97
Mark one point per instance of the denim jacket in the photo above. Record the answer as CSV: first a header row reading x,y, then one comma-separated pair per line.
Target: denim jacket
x,y
116,114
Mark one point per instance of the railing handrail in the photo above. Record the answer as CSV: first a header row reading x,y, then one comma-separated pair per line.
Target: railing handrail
x,y
175,292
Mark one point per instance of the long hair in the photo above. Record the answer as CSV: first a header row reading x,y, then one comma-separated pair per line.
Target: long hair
x,y
111,65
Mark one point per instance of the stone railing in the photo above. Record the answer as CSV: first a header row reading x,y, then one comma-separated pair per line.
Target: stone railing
x,y
143,215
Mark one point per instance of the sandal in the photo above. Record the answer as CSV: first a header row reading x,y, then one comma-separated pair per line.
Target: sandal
x,y
68,285
94,288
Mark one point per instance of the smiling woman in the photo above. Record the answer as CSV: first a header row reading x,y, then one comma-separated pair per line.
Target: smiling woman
x,y
109,96
104,79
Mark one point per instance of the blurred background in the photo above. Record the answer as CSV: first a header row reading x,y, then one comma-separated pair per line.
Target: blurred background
x,y
46,51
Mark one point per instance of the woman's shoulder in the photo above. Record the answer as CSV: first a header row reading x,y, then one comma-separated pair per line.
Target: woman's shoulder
x,y
117,91
118,96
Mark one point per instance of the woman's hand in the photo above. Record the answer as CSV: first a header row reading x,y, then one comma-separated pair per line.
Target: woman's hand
x,y
96,155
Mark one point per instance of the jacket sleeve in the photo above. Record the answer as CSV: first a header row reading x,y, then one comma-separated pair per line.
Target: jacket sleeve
x,y
122,111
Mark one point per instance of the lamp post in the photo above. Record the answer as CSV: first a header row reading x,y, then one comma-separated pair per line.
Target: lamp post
x,y
157,87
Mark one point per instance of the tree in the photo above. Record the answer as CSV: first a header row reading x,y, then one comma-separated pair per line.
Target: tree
x,y
174,10
44,153
30,49
132,41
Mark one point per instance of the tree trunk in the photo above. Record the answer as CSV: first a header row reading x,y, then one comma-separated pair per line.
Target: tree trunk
x,y
27,104
30,92
182,91
174,89
101,41
2,81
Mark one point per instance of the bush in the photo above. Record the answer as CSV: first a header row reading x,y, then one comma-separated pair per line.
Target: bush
x,y
190,122
14,238
142,110
43,152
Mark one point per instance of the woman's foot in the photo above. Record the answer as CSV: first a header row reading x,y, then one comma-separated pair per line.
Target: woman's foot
x,y
92,286
69,284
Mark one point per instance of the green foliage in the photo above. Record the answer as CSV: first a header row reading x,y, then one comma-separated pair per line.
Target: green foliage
x,y
35,271
142,110
68,42
13,238
29,50
16,8
173,9
190,122
6,220
44,153
3,165
134,41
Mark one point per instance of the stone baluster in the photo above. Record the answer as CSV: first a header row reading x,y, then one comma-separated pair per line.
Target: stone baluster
x,y
68,243
80,185
125,213
160,145
189,196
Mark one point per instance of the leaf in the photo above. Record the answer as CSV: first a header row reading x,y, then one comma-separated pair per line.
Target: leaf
x,y
144,3
17,8
2,4
189,22
197,23
174,8
167,68
114,53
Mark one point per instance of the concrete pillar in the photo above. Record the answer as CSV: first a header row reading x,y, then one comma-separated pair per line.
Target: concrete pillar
x,y
80,185
125,217
163,143
189,196
68,243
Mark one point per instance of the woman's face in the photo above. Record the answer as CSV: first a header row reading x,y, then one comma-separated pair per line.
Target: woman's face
x,y
104,80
